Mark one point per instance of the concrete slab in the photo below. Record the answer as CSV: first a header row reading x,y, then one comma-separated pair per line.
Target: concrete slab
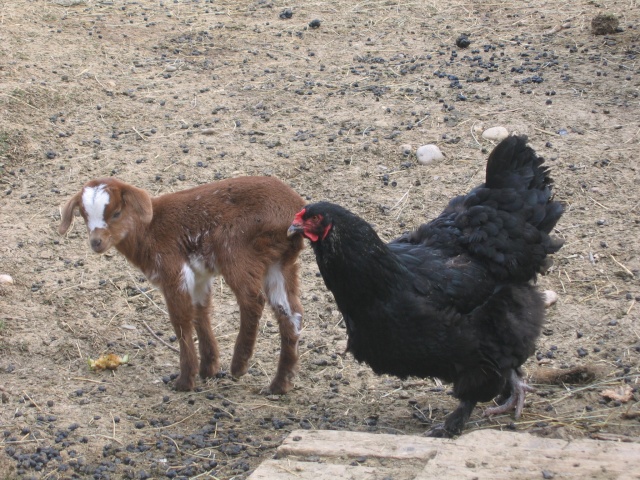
x,y
482,454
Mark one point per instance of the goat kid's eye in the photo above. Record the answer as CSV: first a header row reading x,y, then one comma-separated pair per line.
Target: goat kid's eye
x,y
116,215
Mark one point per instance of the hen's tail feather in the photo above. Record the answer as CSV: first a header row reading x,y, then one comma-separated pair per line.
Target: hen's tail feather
x,y
513,164
508,219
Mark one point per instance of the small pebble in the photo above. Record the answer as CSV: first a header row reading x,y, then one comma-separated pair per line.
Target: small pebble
x,y
405,149
6,279
170,68
428,153
550,297
495,133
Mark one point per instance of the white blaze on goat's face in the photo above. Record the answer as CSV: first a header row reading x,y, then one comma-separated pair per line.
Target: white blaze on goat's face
x,y
94,201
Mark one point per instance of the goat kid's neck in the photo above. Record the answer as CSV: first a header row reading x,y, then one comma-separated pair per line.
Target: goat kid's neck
x,y
139,247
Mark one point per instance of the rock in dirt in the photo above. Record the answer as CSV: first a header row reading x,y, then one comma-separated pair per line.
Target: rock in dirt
x,y
550,297
495,133
406,149
428,153
6,280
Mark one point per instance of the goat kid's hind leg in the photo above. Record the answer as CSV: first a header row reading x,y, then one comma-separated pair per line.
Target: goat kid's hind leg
x,y
251,302
181,314
207,344
282,291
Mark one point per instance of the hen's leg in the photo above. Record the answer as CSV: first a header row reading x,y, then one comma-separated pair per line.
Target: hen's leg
x,y
519,390
455,421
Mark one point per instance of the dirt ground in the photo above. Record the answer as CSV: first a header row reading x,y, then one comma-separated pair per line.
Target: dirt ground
x,y
174,93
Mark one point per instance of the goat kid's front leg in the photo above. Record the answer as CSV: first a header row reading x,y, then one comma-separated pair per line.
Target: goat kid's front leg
x,y
207,344
181,313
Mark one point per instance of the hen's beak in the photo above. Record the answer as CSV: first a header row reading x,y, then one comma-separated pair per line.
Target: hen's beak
x,y
295,229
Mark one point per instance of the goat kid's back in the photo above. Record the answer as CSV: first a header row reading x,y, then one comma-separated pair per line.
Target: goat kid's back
x,y
235,228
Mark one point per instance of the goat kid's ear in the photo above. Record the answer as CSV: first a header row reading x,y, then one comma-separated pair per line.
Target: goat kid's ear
x,y
140,201
66,214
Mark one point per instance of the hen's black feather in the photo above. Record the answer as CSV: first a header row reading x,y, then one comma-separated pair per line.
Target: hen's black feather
x,y
453,299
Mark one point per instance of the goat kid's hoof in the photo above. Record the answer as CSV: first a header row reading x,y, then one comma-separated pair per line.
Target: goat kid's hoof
x,y
184,384
238,371
209,371
278,388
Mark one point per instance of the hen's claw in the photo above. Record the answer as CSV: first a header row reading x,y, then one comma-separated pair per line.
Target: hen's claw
x,y
519,390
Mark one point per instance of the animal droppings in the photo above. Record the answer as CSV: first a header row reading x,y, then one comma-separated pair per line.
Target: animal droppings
x,y
463,41
495,133
428,153
286,14
604,24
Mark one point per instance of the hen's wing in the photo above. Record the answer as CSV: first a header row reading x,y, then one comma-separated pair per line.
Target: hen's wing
x,y
442,279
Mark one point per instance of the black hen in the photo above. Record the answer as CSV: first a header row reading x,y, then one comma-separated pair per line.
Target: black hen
x,y
453,299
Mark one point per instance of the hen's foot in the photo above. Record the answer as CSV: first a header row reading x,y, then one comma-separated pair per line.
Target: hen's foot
x,y
454,423
519,390
439,431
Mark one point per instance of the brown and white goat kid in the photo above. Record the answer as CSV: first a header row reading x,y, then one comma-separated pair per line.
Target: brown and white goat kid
x,y
236,228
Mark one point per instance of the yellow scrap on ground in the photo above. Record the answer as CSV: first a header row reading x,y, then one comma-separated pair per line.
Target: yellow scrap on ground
x,y
110,361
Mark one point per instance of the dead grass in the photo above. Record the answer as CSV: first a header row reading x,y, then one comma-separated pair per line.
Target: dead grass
x,y
151,92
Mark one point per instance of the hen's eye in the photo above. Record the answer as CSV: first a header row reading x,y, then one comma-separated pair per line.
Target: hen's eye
x,y
116,215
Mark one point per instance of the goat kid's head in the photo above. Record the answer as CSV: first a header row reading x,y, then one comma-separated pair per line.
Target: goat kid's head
x,y
110,209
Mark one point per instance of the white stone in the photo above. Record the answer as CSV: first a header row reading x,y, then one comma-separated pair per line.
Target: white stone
x,y
6,279
550,297
429,153
495,133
